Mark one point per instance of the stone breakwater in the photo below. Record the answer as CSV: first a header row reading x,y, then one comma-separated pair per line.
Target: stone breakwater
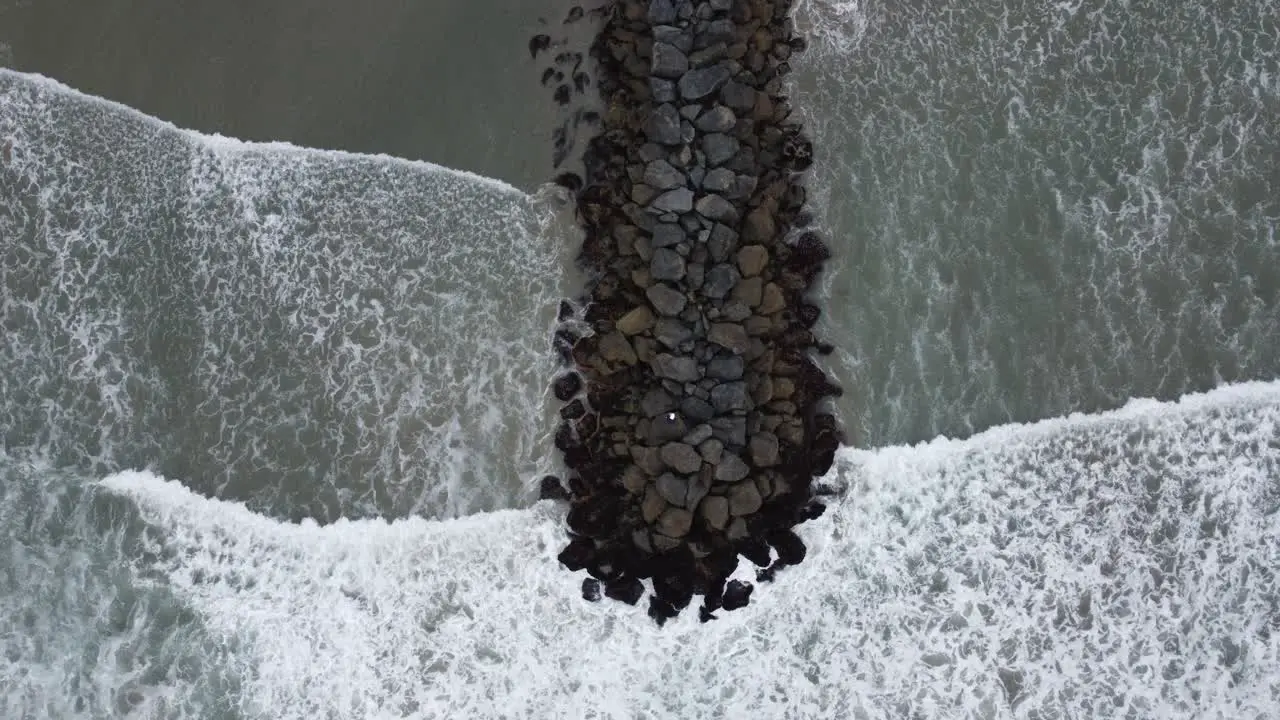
x,y
694,419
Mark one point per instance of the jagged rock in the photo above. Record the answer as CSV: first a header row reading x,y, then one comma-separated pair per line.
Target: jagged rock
x,y
716,208
636,321
615,348
715,511
671,332
757,325
577,554
551,488
772,300
718,148
666,265
663,91
735,311
661,175
668,61
718,119
763,392
661,12
730,396
748,291
591,589
789,546
744,499
667,235
679,200
680,38
697,409
737,530
665,299
752,259
674,522
730,336
683,458
664,125
719,281
657,401
764,449
731,468
722,241
699,83
673,488
719,180
680,368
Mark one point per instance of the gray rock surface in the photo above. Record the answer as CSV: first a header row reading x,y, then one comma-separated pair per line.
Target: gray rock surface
x,y
666,299
699,83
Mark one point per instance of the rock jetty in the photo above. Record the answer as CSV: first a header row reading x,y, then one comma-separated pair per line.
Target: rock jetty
x,y
694,418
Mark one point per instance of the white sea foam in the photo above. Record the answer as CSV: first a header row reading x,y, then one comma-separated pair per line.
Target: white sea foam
x,y
323,332
1118,565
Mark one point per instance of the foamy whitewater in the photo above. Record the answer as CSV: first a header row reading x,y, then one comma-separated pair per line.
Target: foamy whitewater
x,y
271,416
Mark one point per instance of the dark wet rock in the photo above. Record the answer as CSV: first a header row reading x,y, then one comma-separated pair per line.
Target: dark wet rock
x,y
653,505
772,300
626,589
681,457
671,332
715,208
590,589
718,148
665,299
789,546
719,281
647,459
730,336
748,291
566,386
715,511
758,227
668,61
577,554
718,119
737,595
660,611
674,522
550,488
764,449
711,450
664,125
680,368
657,401
731,469
666,265
662,176
726,367
639,319
744,499
701,82
697,409
719,180
634,479
679,200
574,410
699,486
666,427
672,488
756,550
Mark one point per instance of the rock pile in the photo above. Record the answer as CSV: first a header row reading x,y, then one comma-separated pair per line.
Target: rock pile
x,y
693,424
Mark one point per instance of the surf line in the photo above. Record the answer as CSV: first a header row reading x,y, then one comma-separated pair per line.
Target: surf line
x,y
694,418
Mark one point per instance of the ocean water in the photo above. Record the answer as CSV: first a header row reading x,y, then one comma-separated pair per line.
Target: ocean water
x,y
272,416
